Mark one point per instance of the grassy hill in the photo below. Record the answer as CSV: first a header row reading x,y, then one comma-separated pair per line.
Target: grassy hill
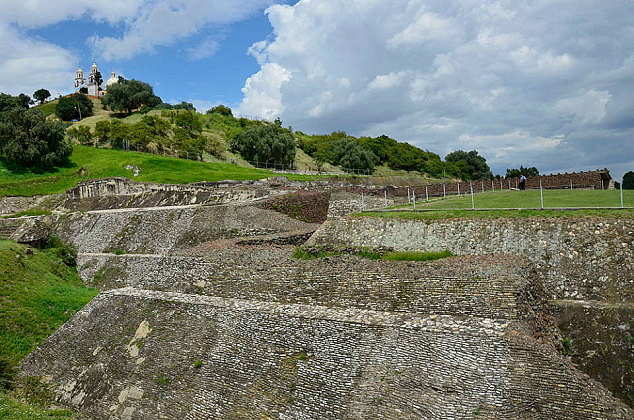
x,y
102,163
39,293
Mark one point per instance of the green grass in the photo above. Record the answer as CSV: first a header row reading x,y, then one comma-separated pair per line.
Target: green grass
x,y
460,207
103,163
302,253
531,199
48,108
13,409
38,293
29,212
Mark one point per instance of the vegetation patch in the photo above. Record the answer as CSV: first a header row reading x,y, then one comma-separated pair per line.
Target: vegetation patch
x,y
29,212
312,253
40,291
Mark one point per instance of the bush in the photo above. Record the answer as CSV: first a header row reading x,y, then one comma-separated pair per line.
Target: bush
x,y
74,107
28,139
628,181
222,110
351,156
268,143
64,251
128,95
80,134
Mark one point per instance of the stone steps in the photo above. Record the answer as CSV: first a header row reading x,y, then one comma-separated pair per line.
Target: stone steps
x,y
466,286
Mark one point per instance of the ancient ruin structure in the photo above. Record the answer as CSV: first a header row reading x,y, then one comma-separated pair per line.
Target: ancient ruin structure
x,y
206,311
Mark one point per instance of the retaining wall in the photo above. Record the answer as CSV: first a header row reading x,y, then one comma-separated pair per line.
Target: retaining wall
x,y
581,258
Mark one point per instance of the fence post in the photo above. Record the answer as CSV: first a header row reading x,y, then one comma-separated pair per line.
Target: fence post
x,y
482,185
444,191
501,187
472,199
385,197
622,202
541,193
426,193
492,186
414,197
571,187
409,197
458,188
509,181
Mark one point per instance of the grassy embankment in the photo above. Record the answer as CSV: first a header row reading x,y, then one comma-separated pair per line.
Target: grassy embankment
x,y
101,163
460,206
39,291
302,253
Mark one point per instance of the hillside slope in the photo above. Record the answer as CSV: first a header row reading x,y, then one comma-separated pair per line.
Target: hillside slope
x,y
39,293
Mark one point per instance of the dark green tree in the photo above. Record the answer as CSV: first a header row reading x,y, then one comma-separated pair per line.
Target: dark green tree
x,y
128,95
28,139
266,143
8,102
222,110
527,172
469,165
41,95
628,181
74,107
352,157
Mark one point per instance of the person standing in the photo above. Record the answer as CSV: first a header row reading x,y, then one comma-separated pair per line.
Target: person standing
x,y
522,183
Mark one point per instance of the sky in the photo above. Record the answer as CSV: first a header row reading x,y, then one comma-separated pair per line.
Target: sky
x,y
545,83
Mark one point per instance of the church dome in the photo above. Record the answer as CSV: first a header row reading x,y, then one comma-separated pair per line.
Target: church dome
x,y
113,79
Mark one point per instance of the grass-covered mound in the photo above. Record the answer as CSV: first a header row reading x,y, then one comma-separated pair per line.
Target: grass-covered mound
x,y
39,291
103,163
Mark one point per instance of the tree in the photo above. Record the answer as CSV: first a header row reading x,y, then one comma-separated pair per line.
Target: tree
x,y
628,181
222,110
352,157
527,172
102,131
8,102
266,143
469,165
41,95
28,139
74,107
128,95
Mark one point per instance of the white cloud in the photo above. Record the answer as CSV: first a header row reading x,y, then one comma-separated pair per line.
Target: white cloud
x,y
163,22
520,81
27,65
587,108
262,92
34,13
205,49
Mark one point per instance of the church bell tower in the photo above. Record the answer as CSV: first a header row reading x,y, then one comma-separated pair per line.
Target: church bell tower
x,y
79,79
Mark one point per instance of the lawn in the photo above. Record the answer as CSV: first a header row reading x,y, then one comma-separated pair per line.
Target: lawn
x,y
38,293
103,163
450,207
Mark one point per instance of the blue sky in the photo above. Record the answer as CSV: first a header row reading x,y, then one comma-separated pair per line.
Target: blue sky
x,y
544,83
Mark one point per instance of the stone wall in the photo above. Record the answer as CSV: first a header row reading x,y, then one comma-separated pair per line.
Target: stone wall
x,y
152,355
163,230
581,258
462,286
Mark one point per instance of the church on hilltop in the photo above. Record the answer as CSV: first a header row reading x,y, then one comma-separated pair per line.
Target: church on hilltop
x,y
92,86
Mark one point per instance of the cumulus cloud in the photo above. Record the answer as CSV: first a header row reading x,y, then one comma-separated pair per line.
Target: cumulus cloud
x,y
27,65
163,22
524,82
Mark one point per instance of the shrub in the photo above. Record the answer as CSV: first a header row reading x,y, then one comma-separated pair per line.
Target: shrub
x,y
222,110
28,139
269,143
63,250
80,134
628,181
74,107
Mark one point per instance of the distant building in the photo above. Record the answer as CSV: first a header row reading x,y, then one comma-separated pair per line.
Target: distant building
x,y
92,86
